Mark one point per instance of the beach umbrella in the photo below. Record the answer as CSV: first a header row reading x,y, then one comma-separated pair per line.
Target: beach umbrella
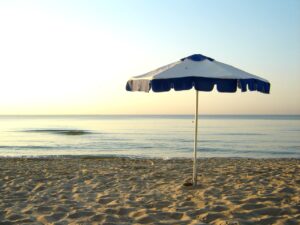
x,y
201,73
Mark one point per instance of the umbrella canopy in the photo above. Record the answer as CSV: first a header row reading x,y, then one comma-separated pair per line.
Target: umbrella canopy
x,y
200,72
203,73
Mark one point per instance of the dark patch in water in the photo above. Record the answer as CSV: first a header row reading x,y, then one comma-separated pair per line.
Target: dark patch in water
x,y
146,147
60,131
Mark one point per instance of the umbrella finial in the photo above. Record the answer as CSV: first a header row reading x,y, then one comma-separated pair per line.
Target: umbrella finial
x,y
197,57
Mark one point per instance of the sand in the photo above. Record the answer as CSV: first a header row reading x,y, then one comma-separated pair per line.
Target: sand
x,y
144,191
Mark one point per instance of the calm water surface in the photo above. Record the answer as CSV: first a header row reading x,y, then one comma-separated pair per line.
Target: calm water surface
x,y
150,136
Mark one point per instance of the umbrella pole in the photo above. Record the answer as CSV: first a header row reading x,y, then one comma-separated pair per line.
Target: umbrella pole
x,y
195,143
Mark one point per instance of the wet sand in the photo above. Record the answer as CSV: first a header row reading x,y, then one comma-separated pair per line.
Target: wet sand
x,y
143,191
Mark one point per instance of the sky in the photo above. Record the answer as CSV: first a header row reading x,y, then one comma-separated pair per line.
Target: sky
x,y
75,57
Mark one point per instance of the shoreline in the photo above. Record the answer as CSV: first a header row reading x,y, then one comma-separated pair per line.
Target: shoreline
x,y
139,157
149,191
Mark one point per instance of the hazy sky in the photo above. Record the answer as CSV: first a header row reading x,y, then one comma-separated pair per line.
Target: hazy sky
x,y
74,57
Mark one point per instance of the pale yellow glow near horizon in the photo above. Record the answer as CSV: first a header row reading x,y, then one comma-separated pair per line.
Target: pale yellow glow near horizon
x,y
52,65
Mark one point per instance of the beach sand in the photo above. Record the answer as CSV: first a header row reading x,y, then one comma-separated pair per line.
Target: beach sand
x,y
144,191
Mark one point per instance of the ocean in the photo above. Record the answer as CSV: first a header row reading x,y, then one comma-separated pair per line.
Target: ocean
x,y
150,136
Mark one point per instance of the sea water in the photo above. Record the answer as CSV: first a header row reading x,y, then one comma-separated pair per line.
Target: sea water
x,y
154,136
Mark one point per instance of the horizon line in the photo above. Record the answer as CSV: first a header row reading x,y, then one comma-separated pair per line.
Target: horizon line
x,y
163,114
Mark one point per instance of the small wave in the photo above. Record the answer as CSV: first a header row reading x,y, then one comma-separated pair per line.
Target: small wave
x,y
264,152
208,149
60,131
24,147
240,134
